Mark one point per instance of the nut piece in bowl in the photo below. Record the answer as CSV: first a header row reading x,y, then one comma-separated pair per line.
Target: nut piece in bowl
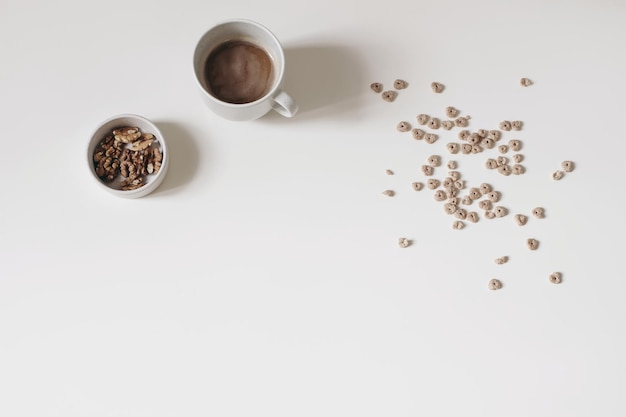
x,y
127,155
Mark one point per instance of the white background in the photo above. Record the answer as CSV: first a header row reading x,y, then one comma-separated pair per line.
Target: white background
x,y
264,278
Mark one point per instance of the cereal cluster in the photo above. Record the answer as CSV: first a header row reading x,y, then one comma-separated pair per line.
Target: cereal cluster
x,y
469,203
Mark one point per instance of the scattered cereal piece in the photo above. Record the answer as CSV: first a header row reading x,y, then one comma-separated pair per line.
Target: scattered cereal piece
x,y
518,169
461,121
473,139
568,166
422,118
491,163
376,87
417,186
404,242
482,133
400,84
472,216
418,133
495,284
449,208
505,125
440,195
505,170
451,112
389,193
475,193
533,244
455,175
490,214
521,219
502,160
464,134
503,149
494,196
485,188
447,124
557,175
539,212
434,123
460,213
437,87
502,260
433,183
516,125
403,126
428,170
495,135
434,160
518,157
452,164
389,96
515,145
525,82
488,143
500,211
458,225
555,278
485,205
466,148
388,172
430,138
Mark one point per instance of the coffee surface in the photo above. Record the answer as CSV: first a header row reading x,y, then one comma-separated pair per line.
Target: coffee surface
x,y
238,72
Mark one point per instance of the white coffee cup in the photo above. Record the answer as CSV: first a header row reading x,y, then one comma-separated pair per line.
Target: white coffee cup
x,y
249,34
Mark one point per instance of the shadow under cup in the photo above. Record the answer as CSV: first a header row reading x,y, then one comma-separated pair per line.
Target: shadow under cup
x,y
221,43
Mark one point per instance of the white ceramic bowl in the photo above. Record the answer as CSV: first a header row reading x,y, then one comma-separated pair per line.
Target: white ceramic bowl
x,y
152,181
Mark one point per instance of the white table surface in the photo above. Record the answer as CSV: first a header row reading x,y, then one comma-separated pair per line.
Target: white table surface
x,y
264,278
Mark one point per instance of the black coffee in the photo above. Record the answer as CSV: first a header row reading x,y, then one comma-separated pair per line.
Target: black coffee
x,y
238,72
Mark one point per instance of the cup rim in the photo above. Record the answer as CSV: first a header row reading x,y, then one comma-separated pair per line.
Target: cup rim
x,y
279,65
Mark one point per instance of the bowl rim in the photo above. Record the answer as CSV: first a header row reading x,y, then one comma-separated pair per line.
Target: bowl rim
x,y
94,138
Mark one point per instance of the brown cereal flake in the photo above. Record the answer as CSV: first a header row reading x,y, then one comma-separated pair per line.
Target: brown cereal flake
x,y
422,118
458,225
501,260
403,126
532,244
434,123
568,166
452,112
495,284
418,134
521,219
556,278
404,242
400,84
389,96
376,87
437,87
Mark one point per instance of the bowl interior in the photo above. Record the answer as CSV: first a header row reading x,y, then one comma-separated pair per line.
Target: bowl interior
x,y
151,181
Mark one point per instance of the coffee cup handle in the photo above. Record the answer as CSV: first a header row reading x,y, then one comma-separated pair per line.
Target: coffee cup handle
x,y
284,104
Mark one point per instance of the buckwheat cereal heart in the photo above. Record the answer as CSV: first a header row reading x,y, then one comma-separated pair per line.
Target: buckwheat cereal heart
x,y
457,194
